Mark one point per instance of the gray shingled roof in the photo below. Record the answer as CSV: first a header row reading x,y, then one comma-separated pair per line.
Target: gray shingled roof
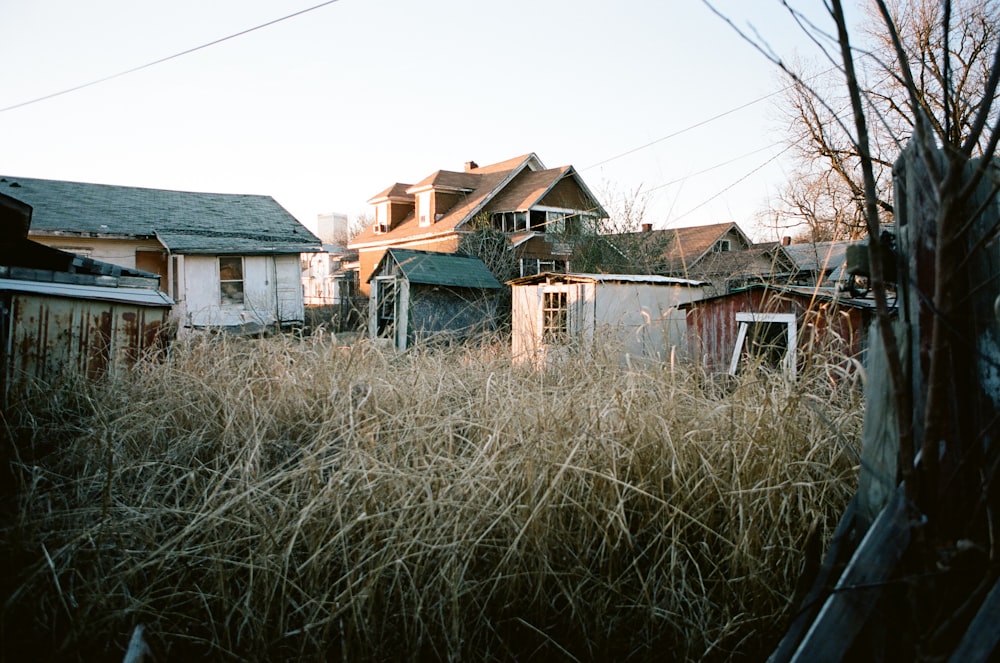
x,y
448,269
184,222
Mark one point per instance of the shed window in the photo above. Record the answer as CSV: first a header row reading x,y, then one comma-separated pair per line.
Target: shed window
x,y
231,280
555,316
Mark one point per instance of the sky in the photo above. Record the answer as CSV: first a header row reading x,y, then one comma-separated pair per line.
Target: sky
x,y
327,108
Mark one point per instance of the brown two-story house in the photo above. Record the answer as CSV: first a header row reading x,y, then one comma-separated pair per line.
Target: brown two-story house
x,y
542,209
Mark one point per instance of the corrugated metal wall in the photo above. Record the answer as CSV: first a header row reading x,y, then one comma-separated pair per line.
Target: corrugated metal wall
x,y
56,339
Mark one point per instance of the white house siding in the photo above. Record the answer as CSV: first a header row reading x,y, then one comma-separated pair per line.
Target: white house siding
x,y
272,293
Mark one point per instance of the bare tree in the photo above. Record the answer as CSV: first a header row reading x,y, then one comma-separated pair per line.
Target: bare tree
x,y
826,195
939,75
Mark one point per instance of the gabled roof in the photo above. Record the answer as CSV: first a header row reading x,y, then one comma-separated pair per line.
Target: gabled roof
x,y
448,269
396,192
528,190
511,185
676,250
183,221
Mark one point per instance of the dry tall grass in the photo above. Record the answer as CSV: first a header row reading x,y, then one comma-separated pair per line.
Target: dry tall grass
x,y
286,499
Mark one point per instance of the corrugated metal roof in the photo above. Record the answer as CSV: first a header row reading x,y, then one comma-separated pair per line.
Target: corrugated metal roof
x,y
448,269
579,277
185,222
824,293
138,296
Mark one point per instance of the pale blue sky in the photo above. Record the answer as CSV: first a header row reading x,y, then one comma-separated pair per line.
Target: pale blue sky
x,y
324,110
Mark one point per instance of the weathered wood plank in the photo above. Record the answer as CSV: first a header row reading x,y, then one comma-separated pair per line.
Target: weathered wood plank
x,y
836,553
860,586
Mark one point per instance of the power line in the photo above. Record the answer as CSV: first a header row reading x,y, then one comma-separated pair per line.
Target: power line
x,y
719,193
166,59
711,168
688,128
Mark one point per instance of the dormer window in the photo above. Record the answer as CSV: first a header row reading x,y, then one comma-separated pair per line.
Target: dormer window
x,y
722,246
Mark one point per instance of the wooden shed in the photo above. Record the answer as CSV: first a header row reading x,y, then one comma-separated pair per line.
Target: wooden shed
x,y
634,315
777,324
417,296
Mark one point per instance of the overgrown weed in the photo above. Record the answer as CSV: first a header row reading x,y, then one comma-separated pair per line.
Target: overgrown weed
x,y
290,499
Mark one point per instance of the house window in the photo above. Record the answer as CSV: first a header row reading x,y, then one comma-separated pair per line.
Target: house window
x,y
766,338
231,280
555,222
509,222
722,246
555,316
532,266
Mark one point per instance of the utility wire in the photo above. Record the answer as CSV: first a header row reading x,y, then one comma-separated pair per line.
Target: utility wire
x,y
689,128
716,195
166,59
710,168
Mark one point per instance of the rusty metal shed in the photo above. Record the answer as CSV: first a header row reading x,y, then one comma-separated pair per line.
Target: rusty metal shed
x,y
779,323
64,316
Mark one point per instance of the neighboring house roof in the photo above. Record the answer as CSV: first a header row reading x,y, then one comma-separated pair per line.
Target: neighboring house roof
x,y
578,277
511,185
395,192
183,221
676,250
819,257
447,269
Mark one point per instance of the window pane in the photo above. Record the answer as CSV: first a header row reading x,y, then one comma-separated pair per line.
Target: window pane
x,y
555,318
231,280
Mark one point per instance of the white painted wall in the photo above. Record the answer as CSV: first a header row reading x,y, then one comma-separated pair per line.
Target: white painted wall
x,y
272,292
637,320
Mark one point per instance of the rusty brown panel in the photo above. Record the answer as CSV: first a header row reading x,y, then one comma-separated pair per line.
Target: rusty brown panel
x,y
99,345
128,341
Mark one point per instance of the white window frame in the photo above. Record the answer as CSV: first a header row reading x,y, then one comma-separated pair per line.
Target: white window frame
x,y
744,318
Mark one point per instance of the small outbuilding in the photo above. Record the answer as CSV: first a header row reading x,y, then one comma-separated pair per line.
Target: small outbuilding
x,y
65,316
419,296
636,315
778,325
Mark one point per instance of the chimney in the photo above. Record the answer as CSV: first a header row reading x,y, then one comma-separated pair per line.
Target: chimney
x,y
786,240
647,227
470,166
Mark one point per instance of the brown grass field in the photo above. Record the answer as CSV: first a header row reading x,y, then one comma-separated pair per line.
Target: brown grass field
x,y
289,499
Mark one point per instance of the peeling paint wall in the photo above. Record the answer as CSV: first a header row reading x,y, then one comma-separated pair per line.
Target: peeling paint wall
x,y
272,291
